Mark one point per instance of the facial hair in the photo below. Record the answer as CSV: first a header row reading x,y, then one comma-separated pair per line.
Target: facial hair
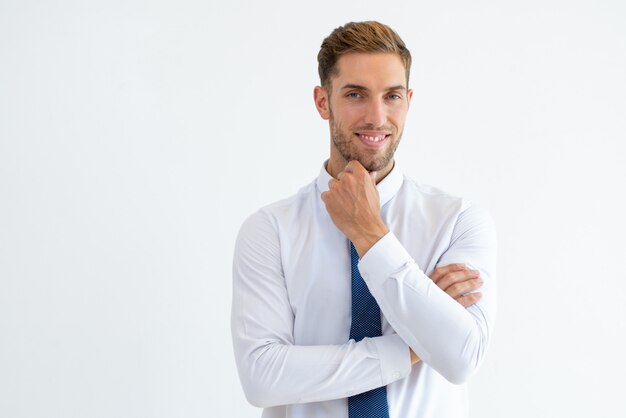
x,y
346,144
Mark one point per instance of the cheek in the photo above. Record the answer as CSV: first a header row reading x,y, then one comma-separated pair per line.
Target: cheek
x,y
352,115
397,116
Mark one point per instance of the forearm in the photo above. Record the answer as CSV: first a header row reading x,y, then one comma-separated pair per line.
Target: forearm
x,y
445,335
280,374
273,368
275,373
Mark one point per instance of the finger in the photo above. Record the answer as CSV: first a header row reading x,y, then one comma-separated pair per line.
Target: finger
x,y
438,273
354,166
373,175
461,288
469,300
332,183
340,175
457,276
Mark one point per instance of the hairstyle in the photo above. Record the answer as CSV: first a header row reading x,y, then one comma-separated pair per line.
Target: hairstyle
x,y
370,36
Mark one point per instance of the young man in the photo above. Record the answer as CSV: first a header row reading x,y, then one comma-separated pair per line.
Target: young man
x,y
357,297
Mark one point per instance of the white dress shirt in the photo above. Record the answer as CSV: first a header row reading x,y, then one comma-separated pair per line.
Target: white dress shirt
x,y
291,309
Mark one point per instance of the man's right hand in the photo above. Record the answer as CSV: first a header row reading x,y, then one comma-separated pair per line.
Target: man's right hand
x,y
457,281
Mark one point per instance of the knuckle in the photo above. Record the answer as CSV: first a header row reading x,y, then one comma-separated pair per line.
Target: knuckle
x,y
454,289
475,284
443,282
475,297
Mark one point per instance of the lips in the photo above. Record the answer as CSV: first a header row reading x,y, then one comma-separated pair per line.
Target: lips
x,y
373,139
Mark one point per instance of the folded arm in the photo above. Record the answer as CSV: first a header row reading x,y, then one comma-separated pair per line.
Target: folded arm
x,y
272,369
447,337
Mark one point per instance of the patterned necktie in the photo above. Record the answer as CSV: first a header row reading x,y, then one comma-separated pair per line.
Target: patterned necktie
x,y
365,323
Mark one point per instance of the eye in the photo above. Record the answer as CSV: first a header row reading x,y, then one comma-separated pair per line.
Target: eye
x,y
394,96
353,95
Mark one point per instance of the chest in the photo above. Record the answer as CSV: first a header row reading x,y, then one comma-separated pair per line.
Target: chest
x,y
316,266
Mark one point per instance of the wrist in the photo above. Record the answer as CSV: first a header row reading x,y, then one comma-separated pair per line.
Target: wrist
x,y
367,238
414,357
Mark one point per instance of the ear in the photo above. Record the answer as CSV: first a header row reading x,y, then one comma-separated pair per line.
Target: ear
x,y
320,95
409,95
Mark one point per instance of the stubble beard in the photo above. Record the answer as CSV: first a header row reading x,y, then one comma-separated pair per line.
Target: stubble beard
x,y
348,148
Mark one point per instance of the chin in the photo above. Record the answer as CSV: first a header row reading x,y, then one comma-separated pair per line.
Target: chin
x,y
374,166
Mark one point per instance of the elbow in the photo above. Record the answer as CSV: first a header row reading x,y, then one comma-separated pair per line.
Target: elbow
x,y
459,368
258,392
459,375
262,395
455,370
256,396
259,380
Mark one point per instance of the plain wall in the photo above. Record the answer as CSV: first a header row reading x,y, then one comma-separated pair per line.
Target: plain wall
x,y
136,136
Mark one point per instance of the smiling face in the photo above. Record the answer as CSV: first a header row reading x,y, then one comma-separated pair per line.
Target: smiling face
x,y
366,108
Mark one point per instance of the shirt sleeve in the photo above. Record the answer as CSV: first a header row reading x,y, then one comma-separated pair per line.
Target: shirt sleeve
x,y
274,370
445,335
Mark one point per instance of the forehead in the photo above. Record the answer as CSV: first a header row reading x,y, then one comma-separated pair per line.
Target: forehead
x,y
373,70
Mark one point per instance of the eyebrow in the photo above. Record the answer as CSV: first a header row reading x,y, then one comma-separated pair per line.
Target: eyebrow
x,y
359,87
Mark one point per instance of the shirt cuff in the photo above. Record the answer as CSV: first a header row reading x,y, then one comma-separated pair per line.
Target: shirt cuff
x,y
395,358
383,259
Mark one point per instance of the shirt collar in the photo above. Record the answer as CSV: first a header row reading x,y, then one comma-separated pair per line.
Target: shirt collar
x,y
387,188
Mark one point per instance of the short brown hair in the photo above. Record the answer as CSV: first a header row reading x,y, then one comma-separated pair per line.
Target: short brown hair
x,y
370,36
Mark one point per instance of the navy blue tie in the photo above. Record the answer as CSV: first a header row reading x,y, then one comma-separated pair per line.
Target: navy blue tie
x,y
365,323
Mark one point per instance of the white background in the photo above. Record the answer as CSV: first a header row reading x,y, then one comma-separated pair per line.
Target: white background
x,y
135,137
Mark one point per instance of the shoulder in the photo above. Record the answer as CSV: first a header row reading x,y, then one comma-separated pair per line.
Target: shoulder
x,y
462,211
431,201
269,218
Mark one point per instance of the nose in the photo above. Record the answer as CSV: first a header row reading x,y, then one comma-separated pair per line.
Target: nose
x,y
375,113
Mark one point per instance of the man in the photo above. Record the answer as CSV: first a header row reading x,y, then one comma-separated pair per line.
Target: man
x,y
359,296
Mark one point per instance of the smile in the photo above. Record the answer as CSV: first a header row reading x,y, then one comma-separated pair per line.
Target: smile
x,y
373,138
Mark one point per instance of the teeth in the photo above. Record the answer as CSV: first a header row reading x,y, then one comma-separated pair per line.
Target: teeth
x,y
374,138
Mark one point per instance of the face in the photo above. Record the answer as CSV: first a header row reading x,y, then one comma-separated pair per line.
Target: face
x,y
366,110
